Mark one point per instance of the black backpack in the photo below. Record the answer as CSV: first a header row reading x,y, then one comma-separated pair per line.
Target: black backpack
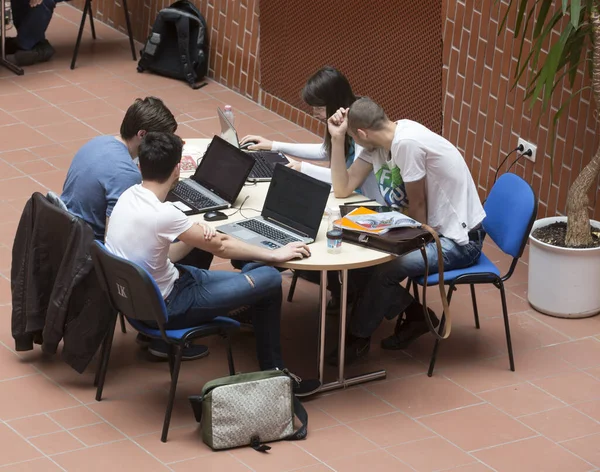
x,y
178,44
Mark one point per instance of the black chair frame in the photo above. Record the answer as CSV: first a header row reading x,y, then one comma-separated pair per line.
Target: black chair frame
x,y
87,11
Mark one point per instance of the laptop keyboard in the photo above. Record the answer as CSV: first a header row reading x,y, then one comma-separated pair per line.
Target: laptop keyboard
x,y
190,195
261,168
268,231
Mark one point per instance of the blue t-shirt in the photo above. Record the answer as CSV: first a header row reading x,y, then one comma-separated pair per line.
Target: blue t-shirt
x,y
100,172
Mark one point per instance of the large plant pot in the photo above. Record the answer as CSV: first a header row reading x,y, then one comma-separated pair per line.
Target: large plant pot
x,y
563,282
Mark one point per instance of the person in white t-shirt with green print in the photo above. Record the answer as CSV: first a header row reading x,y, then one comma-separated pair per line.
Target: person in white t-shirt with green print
x,y
439,190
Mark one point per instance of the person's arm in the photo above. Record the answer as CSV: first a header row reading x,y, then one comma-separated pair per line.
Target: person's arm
x,y
317,172
179,250
411,159
344,180
227,247
310,151
417,196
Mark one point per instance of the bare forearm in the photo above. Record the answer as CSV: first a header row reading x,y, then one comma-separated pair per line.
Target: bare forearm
x,y
231,248
339,172
418,213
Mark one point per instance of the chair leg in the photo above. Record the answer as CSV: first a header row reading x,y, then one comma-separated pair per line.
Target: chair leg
x,y
103,367
230,356
129,31
172,354
436,346
292,287
87,7
92,27
171,401
415,287
507,327
123,326
475,312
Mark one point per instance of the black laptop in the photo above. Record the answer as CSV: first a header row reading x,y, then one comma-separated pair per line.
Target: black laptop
x,y
217,181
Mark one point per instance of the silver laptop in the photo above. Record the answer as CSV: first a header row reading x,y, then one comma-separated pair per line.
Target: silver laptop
x,y
292,211
264,160
217,181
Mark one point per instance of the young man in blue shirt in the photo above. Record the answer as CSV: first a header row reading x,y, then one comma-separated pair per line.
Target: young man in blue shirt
x,y
104,168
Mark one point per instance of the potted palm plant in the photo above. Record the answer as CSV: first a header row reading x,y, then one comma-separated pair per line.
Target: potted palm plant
x,y
564,257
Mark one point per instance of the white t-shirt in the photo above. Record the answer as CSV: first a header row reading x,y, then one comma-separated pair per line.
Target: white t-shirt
x,y
141,230
453,205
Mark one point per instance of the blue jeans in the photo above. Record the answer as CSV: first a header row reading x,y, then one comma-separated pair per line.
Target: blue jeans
x,y
201,295
384,297
31,23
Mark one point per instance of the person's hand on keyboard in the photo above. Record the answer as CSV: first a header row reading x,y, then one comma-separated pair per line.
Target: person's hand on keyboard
x,y
291,251
260,143
296,165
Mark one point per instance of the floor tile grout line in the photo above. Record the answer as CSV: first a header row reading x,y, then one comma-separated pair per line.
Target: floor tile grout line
x,y
579,437
126,437
536,431
34,446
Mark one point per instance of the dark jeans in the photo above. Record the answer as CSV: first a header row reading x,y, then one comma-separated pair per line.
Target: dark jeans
x,y
357,279
31,23
197,258
201,295
384,297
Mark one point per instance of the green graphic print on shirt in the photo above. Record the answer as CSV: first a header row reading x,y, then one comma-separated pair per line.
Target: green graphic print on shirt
x,y
391,186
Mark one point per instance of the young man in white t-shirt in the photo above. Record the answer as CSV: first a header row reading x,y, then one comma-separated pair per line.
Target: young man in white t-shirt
x,y
438,190
142,229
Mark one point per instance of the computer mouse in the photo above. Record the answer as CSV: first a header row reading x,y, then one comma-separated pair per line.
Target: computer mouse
x,y
215,216
247,144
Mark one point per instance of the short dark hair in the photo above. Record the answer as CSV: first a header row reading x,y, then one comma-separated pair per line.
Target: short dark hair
x,y
147,114
329,88
366,114
159,155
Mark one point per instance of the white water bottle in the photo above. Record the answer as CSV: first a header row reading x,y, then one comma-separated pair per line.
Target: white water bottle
x,y
229,114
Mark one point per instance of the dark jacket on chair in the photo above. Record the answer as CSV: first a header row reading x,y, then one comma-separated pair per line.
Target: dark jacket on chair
x,y
55,292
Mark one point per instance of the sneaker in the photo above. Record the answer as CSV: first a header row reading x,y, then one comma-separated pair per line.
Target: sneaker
x,y
356,348
409,327
159,348
41,52
303,388
143,340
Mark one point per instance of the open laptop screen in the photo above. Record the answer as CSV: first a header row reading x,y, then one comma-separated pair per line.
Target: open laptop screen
x,y
223,169
228,132
296,200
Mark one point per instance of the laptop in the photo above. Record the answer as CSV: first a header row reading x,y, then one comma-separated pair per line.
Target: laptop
x,y
292,212
217,181
264,160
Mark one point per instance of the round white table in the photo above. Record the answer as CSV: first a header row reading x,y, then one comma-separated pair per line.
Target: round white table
x,y
251,200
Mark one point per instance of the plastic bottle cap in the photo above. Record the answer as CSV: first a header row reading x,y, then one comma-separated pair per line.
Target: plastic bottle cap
x,y
227,107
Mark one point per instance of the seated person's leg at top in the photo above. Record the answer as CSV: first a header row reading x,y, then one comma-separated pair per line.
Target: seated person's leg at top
x,y
31,19
439,190
142,229
384,297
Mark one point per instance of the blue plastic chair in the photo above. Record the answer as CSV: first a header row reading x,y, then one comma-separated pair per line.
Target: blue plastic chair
x,y
511,209
134,293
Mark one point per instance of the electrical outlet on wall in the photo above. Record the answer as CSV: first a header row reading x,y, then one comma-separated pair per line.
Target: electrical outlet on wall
x,y
527,145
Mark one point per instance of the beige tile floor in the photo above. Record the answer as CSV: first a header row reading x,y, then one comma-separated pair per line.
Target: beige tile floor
x,y
473,415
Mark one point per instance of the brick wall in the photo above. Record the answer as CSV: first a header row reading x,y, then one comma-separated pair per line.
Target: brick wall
x,y
482,116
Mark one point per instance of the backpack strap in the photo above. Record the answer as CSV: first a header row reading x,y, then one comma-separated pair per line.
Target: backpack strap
x,y
183,39
443,296
152,43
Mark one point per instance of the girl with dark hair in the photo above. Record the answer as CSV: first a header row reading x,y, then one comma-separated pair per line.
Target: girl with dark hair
x,y
326,91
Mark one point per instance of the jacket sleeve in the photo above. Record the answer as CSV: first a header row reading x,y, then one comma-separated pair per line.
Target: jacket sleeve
x,y
75,265
19,279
